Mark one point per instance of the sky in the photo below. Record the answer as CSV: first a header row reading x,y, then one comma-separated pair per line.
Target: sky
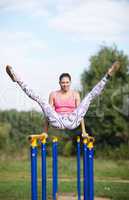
x,y
41,39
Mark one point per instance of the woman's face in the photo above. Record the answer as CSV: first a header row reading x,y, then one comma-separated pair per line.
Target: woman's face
x,y
65,84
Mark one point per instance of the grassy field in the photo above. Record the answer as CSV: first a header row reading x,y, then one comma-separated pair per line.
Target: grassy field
x,y
111,178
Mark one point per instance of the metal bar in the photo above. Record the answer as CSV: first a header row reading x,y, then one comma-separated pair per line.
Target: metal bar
x,y
85,170
78,169
55,167
34,194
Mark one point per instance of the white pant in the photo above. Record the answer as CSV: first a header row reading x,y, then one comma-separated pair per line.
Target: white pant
x,y
68,121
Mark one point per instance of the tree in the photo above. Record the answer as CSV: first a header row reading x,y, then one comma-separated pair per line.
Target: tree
x,y
22,124
4,134
109,124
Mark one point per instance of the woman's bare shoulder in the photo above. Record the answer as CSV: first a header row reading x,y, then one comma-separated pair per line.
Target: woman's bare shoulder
x,y
76,93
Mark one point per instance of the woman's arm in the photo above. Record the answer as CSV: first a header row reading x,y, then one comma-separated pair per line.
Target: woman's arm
x,y
51,102
83,129
51,99
46,125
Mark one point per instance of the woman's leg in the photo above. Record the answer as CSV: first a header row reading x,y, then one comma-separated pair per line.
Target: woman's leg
x,y
75,117
51,115
53,118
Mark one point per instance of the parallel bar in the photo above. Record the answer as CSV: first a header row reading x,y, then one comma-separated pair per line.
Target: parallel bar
x,y
78,169
55,167
91,174
34,195
44,177
88,167
34,139
85,170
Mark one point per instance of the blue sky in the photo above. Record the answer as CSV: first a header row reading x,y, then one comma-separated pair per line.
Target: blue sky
x,y
43,38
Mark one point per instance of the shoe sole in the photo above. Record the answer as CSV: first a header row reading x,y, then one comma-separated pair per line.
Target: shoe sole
x,y
8,70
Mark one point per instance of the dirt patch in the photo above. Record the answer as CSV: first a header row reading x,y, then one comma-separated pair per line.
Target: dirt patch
x,y
73,197
100,198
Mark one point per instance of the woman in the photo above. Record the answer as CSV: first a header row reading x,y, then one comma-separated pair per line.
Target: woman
x,y
65,100
57,116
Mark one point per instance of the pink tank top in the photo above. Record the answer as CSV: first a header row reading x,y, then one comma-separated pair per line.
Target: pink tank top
x,y
64,106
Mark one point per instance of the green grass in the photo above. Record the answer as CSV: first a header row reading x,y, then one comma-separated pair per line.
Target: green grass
x,y
115,191
115,169
111,178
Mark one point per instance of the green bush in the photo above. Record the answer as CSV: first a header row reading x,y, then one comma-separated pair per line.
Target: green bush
x,y
4,135
117,153
67,151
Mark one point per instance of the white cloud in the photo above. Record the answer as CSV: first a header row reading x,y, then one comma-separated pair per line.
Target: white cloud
x,y
33,7
19,49
42,76
66,5
16,46
95,20
23,5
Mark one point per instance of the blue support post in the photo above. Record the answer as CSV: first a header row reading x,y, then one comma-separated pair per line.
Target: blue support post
x,y
55,167
34,194
85,169
78,169
91,170
44,175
